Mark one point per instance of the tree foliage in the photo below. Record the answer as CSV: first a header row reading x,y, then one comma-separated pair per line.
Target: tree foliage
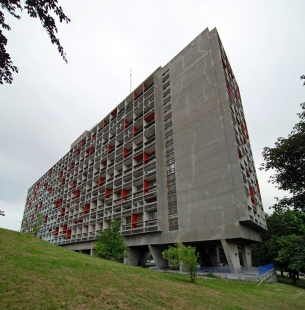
x,y
41,9
287,159
286,233
32,227
110,244
291,254
185,256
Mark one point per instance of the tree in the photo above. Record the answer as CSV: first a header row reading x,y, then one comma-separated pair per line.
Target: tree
x,y
37,9
291,254
32,227
185,256
303,78
282,226
110,244
287,159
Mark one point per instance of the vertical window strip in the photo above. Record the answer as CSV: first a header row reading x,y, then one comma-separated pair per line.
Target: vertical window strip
x,y
170,166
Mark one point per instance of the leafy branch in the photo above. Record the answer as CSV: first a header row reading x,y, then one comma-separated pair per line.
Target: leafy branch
x,y
36,9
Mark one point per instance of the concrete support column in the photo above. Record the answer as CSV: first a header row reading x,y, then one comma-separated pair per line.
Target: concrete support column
x,y
92,253
137,256
156,252
213,253
143,257
247,256
133,256
231,251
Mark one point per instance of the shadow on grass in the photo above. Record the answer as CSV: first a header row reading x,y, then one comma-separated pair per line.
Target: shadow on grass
x,y
176,277
288,281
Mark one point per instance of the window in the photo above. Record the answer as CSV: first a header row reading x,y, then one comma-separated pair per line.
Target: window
x,y
168,128
170,158
169,138
171,187
140,218
172,210
128,220
171,178
172,198
173,224
168,120
153,215
169,147
170,168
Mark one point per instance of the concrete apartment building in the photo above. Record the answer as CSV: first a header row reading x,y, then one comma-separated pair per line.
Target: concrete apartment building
x,y
173,160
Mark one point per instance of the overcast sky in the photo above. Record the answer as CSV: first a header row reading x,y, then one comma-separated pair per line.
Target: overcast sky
x,y
51,103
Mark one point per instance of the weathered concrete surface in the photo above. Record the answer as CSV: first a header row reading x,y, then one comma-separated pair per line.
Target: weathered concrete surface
x,y
156,252
211,196
231,251
247,257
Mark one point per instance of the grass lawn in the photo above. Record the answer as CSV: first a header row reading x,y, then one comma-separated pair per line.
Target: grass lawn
x,y
38,275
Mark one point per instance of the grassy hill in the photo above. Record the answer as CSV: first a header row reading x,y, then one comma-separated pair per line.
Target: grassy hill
x,y
38,275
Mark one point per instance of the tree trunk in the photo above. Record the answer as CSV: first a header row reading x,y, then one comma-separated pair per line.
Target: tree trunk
x,y
290,274
298,276
294,278
282,272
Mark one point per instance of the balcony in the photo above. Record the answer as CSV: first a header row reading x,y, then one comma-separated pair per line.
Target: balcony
x,y
126,198
127,212
151,193
127,154
150,173
137,230
139,131
126,232
151,206
150,142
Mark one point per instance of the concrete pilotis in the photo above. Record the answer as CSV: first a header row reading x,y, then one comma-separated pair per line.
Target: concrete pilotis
x,y
213,253
247,256
137,256
156,252
231,251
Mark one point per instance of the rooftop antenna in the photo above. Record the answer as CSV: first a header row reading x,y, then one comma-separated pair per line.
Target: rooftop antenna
x,y
130,79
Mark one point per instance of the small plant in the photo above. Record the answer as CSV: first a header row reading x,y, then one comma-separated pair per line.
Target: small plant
x,y
32,227
110,244
185,256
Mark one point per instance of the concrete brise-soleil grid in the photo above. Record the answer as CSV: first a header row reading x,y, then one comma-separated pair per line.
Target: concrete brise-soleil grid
x,y
173,160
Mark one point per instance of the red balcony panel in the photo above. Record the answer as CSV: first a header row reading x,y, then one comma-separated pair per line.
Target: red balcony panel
x,y
86,209
100,182
150,117
138,157
125,124
239,154
134,219
145,186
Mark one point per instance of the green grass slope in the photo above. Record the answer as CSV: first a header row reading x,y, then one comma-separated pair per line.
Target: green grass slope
x,y
38,275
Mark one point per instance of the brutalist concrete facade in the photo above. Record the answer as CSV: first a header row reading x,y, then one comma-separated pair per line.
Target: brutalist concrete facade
x,y
173,159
